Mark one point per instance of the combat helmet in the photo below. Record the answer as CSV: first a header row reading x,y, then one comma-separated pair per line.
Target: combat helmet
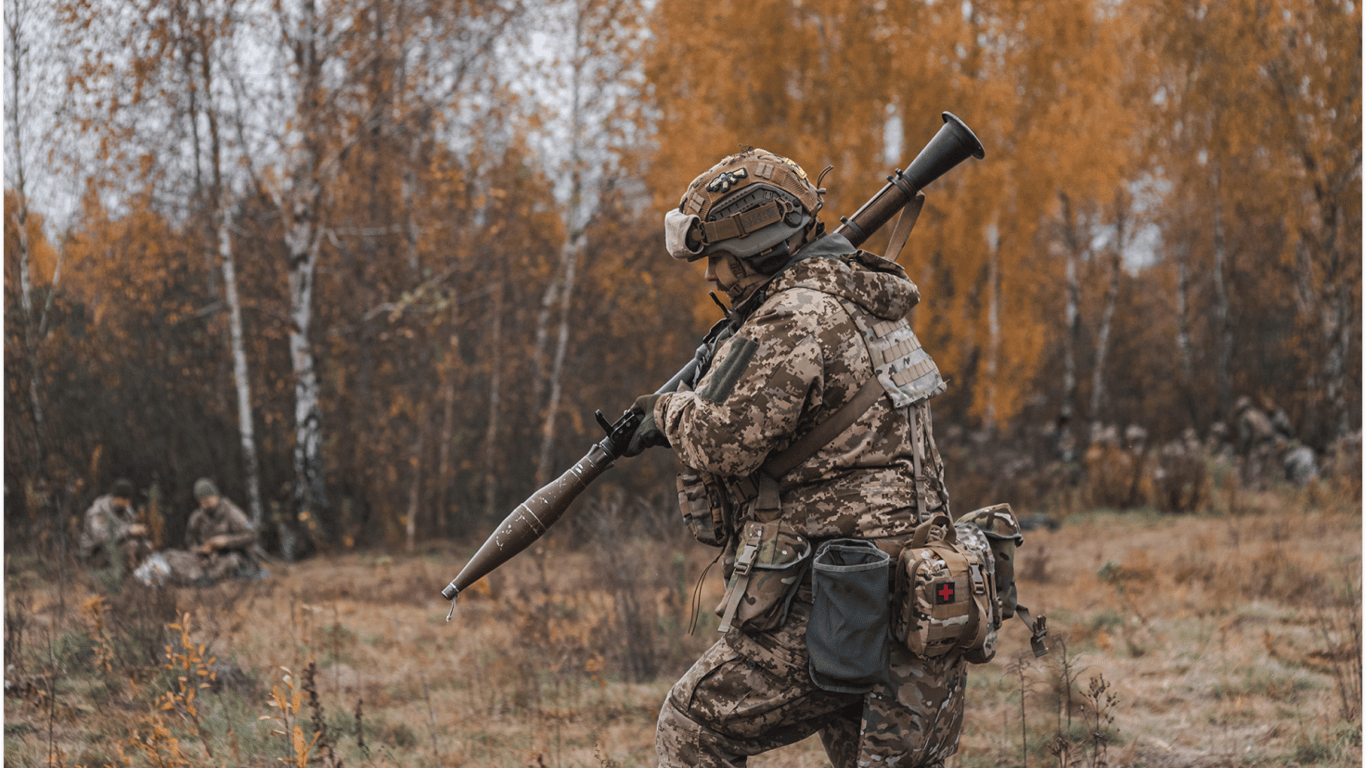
x,y
749,206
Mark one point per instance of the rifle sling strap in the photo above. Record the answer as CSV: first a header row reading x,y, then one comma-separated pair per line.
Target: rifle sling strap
x,y
905,222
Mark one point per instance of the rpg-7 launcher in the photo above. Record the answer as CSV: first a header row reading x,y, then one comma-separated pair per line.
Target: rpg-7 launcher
x,y
953,144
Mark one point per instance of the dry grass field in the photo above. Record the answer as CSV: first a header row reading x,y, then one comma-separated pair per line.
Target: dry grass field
x,y
1206,640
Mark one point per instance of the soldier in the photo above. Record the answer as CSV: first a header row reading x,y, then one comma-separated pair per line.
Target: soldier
x,y
1257,449
111,527
220,534
808,315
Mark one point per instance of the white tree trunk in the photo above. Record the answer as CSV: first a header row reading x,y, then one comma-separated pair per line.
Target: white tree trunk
x,y
1071,312
14,28
542,337
240,375
572,248
443,449
1103,340
1107,316
308,469
415,490
495,406
300,207
1335,371
1183,333
1223,331
993,334
569,255
26,302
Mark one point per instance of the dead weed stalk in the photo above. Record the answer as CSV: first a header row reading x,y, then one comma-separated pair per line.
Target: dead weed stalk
x,y
1340,630
1100,702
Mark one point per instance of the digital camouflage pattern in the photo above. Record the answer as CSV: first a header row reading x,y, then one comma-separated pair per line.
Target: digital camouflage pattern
x,y
796,359
805,359
750,693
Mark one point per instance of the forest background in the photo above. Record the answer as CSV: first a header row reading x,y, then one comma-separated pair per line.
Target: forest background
x,y
372,265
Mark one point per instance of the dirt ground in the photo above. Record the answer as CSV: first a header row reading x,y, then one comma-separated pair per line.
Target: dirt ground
x,y
1210,640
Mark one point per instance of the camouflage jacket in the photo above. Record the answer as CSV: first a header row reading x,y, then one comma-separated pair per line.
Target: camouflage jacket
x,y
103,522
789,365
224,519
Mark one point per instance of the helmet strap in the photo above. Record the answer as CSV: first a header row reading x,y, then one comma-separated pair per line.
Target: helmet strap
x,y
747,279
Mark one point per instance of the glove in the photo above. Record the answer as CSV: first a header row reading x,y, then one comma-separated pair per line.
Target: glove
x,y
647,435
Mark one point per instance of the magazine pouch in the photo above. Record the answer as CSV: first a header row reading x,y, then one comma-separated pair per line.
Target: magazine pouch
x,y
770,561
703,502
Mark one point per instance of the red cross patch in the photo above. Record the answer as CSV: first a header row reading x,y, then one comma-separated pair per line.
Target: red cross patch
x,y
943,593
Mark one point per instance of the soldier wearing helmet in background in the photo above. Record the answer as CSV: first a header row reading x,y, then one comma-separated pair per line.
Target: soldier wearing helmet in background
x,y
111,530
220,534
808,313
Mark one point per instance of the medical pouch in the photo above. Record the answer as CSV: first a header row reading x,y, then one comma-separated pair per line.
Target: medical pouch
x,y
847,635
943,594
770,562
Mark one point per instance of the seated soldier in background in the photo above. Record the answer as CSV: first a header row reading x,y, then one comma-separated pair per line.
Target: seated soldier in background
x,y
220,534
111,530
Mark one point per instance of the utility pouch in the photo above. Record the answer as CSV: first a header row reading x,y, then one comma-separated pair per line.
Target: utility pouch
x,y
975,544
847,634
1002,531
944,595
704,504
770,562
998,525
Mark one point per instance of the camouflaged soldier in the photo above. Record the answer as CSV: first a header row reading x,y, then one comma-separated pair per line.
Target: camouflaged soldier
x,y
1257,443
111,528
220,534
811,320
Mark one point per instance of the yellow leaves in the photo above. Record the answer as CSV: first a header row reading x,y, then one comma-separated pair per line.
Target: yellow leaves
x,y
288,704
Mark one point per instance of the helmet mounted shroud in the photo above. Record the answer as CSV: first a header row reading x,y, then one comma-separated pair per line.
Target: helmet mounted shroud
x,y
749,206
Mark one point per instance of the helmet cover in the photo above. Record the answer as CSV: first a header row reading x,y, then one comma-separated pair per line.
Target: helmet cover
x,y
744,205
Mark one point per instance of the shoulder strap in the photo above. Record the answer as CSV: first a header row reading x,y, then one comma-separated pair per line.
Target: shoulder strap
x,y
905,222
827,430
766,478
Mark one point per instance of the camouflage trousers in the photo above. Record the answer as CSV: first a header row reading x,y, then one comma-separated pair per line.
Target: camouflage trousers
x,y
752,693
189,568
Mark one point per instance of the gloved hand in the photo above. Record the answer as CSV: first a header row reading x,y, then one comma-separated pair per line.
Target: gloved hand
x,y
647,435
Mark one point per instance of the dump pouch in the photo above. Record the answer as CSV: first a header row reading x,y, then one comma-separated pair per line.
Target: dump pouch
x,y
704,504
847,634
770,562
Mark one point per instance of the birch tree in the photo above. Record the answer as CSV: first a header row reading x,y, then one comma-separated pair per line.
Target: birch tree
x,y
317,136
22,47
601,37
210,36
1114,267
